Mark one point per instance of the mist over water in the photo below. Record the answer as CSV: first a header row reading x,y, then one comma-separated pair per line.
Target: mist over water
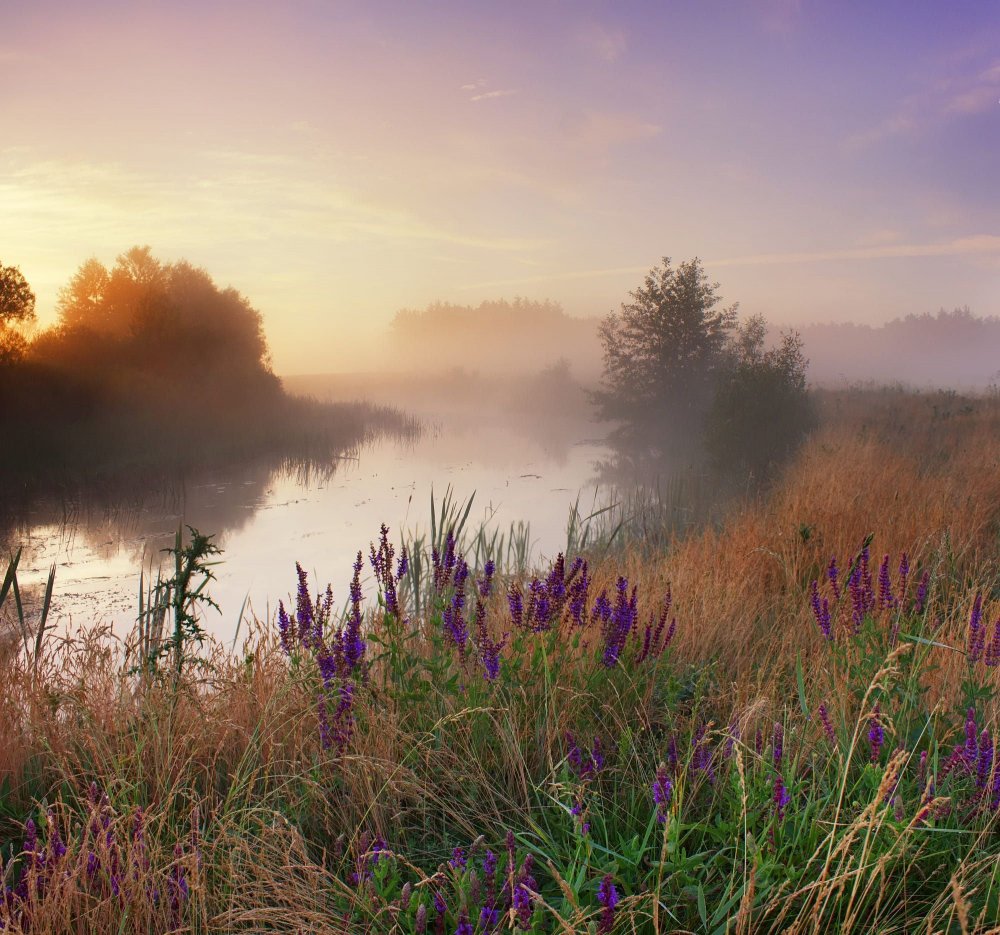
x,y
266,519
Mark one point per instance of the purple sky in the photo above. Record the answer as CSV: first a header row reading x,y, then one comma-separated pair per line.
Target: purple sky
x,y
337,161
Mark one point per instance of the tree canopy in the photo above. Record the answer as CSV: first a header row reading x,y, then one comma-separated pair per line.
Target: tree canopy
x,y
682,378
163,321
662,353
761,408
17,309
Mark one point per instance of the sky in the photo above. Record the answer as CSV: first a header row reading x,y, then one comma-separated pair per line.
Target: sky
x,y
338,161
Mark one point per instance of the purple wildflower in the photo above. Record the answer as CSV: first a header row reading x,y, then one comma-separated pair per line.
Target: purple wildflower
x,y
904,577
778,743
285,629
620,623
662,792
464,925
338,730
781,797
453,618
597,755
486,582
602,608
353,646
876,734
824,719
178,884
701,753
607,896
833,575
420,922
971,735
886,600
489,916
521,902
458,859
821,611
673,756
304,610
515,601
381,562
993,650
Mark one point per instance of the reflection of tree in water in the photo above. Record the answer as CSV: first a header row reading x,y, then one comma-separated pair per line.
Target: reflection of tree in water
x,y
656,496
142,522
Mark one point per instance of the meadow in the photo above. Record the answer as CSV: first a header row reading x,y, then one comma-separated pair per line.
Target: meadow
x,y
783,720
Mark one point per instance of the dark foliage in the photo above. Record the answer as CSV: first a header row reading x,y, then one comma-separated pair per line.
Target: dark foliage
x,y
151,368
17,309
761,409
663,353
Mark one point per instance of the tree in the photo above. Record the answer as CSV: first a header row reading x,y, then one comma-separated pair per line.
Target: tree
x,y
761,409
17,310
662,356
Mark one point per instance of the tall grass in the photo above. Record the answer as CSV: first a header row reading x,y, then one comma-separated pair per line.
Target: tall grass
x,y
737,771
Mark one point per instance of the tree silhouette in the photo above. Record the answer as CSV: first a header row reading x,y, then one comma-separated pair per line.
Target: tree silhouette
x,y
662,354
17,309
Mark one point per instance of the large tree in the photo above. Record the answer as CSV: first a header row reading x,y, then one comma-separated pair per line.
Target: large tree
x,y
17,309
662,355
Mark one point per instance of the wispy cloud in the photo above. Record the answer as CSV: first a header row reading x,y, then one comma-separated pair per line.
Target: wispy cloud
x,y
491,95
259,196
963,93
974,245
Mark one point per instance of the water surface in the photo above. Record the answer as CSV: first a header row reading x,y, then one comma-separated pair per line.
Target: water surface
x,y
265,519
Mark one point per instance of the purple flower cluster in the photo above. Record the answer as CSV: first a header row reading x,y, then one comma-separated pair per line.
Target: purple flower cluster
x,y
876,734
106,857
781,797
453,618
311,617
607,896
489,648
824,719
663,789
977,647
381,562
584,764
620,622
861,596
975,758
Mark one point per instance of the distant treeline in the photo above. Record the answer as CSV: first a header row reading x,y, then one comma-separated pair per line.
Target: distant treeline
x,y
949,349
497,336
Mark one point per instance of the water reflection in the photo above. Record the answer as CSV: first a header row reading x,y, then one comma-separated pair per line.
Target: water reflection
x,y
267,516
